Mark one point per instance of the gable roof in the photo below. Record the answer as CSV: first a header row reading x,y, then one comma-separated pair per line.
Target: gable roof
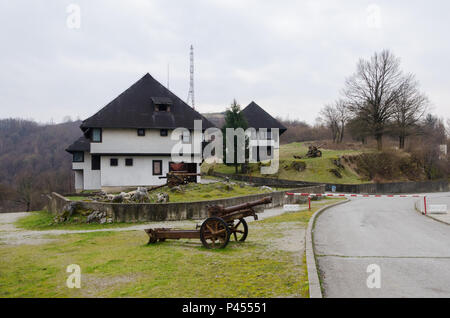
x,y
256,117
135,108
259,118
218,119
81,144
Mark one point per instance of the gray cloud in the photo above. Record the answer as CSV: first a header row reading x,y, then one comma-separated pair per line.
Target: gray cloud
x,y
291,56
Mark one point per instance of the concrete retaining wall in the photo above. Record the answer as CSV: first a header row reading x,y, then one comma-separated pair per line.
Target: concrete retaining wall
x,y
370,188
271,182
56,203
141,212
392,188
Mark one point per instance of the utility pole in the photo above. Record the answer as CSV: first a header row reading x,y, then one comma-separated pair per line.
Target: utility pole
x,y
191,98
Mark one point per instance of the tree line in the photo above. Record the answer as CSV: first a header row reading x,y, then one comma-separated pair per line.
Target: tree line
x,y
33,162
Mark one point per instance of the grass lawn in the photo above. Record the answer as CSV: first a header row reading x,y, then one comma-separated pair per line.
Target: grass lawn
x,y
77,198
317,169
121,264
43,220
201,192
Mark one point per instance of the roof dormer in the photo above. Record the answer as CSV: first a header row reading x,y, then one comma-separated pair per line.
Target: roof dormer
x,y
162,104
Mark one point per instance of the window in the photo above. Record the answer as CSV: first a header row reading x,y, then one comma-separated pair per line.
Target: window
x,y
163,132
78,156
141,132
128,162
96,135
95,162
157,167
269,151
113,162
162,108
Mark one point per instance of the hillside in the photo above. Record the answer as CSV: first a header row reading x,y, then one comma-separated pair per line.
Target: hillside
x,y
353,165
316,169
33,161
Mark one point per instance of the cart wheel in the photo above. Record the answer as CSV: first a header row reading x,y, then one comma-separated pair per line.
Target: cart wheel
x,y
239,230
214,233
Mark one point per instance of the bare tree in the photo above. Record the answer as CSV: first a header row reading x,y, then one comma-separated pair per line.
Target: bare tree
x,y
25,191
4,193
410,108
336,117
358,130
433,129
343,117
330,116
448,128
373,90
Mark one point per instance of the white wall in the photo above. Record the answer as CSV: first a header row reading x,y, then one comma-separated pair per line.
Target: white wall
x,y
140,174
91,178
127,141
79,183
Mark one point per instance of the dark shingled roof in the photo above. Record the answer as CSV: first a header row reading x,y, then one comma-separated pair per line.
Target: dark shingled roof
x,y
218,119
135,108
161,100
255,115
81,144
259,118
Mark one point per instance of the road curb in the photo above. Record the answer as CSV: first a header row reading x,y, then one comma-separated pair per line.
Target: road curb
x,y
439,220
430,216
315,290
436,219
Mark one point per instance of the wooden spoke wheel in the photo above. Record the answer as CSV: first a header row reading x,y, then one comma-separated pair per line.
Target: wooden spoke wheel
x,y
214,233
239,230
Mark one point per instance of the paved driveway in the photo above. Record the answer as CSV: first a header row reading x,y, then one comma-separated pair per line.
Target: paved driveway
x,y
412,251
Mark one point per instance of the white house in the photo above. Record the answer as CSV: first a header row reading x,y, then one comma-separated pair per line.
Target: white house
x,y
263,123
128,142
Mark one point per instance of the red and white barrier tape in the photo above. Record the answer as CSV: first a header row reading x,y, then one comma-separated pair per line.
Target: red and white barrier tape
x,y
354,195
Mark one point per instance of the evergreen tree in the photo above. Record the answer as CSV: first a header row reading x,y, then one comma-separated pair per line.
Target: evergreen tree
x,y
233,119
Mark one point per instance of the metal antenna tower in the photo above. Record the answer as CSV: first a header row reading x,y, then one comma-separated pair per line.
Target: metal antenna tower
x,y
191,98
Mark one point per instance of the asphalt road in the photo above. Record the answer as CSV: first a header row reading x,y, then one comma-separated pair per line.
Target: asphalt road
x,y
411,250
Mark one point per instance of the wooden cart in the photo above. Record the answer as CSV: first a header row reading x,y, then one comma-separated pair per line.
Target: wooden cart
x,y
216,231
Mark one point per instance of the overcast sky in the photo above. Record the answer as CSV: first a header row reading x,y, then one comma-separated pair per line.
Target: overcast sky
x,y
291,57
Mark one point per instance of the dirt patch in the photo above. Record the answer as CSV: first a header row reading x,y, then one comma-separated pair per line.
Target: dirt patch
x,y
293,240
6,219
92,284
